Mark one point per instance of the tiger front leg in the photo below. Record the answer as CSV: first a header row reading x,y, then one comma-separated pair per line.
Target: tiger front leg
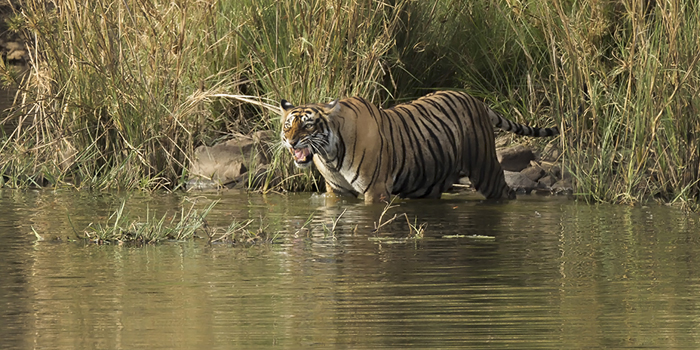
x,y
336,191
378,193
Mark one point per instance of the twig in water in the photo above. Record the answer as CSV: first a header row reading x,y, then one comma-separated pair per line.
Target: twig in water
x,y
381,216
335,223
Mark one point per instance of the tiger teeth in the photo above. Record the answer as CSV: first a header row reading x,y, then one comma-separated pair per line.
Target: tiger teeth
x,y
301,154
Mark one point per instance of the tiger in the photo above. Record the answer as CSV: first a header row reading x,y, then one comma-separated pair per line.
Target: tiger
x,y
417,149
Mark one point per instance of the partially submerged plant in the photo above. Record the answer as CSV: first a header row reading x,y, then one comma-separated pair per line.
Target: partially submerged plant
x,y
119,228
416,230
334,223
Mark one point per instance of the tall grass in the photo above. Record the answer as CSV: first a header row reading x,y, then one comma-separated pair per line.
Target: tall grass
x,y
121,92
315,51
639,62
118,94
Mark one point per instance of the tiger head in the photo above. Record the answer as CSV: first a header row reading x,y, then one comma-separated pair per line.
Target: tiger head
x,y
305,130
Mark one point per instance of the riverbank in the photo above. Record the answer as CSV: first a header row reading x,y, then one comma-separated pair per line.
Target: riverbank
x,y
121,95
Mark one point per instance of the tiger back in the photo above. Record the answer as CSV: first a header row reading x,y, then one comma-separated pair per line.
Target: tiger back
x,y
417,149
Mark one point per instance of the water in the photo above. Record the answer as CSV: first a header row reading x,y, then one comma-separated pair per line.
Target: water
x,y
535,273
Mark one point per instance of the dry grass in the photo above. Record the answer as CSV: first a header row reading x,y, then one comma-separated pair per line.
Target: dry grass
x,y
120,93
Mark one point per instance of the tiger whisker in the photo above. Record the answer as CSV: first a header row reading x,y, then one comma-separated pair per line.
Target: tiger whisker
x,y
317,147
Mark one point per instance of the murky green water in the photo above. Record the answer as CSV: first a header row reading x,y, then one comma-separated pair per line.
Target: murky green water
x,y
541,273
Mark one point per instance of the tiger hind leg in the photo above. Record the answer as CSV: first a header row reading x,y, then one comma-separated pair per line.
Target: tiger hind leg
x,y
491,183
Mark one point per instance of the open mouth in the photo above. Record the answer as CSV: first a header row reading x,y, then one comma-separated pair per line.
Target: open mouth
x,y
302,156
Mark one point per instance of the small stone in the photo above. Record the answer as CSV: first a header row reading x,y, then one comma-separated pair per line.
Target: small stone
x,y
17,55
563,186
533,173
13,46
465,181
547,181
519,182
462,185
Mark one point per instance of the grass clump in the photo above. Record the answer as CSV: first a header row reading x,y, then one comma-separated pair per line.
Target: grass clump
x,y
119,228
189,224
639,62
119,93
416,230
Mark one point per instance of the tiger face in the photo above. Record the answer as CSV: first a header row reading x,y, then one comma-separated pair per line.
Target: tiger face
x,y
305,131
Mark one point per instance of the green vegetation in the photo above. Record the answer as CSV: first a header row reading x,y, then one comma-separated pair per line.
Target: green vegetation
x,y
120,93
119,228
189,224
122,228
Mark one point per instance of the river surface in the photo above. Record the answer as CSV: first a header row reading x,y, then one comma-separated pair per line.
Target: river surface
x,y
539,272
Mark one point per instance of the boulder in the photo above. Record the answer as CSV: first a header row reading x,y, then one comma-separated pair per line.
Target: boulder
x,y
227,163
534,172
515,158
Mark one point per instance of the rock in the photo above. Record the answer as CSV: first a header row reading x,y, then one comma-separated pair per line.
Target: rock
x,y
519,182
552,169
534,172
503,141
14,51
257,180
66,154
515,158
13,46
17,55
547,181
563,186
226,163
462,185
263,136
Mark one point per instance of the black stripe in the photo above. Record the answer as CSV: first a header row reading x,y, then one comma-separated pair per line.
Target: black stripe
x,y
350,105
407,170
379,161
359,166
340,149
416,164
439,158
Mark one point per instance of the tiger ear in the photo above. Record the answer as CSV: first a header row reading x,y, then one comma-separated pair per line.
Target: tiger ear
x,y
286,105
333,106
